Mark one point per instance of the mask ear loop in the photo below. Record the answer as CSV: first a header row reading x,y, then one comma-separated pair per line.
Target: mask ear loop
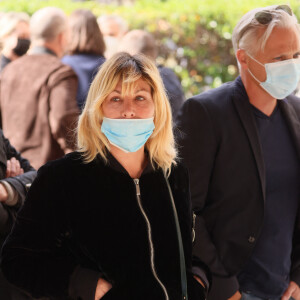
x,y
258,63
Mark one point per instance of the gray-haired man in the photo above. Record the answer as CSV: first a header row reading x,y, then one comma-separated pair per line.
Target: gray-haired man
x,y
241,143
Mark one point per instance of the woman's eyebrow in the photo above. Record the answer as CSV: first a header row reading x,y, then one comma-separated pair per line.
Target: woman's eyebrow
x,y
142,90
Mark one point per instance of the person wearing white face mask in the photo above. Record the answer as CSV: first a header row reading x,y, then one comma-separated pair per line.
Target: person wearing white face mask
x,y
111,220
241,143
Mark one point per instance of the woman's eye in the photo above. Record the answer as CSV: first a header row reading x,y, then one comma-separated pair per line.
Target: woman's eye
x,y
115,99
140,98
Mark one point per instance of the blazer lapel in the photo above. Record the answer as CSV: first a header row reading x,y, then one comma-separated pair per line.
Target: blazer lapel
x,y
292,121
243,107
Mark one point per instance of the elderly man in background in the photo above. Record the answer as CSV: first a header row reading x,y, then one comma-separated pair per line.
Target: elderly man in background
x,y
113,29
38,93
241,143
141,41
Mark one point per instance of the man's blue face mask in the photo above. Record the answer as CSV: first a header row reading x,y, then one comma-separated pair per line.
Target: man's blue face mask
x,y
128,135
282,77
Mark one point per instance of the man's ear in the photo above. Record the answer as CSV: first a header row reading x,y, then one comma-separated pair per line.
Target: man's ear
x,y
242,58
60,38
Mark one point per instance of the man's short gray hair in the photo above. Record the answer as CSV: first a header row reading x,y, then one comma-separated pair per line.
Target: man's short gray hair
x,y
122,24
47,23
246,32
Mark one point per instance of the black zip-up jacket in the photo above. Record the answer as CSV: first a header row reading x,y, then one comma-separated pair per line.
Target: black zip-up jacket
x,y
83,221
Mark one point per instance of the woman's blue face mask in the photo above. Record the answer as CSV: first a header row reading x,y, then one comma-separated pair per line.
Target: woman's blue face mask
x,y
129,135
282,77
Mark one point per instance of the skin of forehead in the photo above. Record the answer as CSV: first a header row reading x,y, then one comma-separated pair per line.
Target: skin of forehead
x,y
22,29
282,41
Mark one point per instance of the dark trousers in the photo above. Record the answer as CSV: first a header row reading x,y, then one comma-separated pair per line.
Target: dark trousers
x,y
246,296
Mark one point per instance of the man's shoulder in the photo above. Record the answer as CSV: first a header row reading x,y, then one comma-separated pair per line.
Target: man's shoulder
x,y
51,63
70,164
40,63
219,98
165,71
221,93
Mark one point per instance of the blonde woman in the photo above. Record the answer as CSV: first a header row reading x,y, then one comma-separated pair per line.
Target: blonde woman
x,y
112,220
14,36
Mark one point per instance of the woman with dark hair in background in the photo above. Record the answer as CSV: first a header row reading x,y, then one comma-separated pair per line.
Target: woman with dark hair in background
x,y
86,50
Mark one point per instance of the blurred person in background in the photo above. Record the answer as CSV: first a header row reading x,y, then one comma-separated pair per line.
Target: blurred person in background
x,y
241,143
113,219
16,174
141,41
38,93
14,36
113,29
86,50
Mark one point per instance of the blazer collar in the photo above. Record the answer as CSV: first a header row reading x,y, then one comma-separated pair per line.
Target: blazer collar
x,y
243,107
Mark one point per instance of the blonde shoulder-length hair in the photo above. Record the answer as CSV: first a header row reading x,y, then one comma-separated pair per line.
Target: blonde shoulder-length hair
x,y
127,69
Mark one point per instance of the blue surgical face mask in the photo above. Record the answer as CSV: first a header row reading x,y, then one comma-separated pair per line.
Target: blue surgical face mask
x,y
282,77
128,135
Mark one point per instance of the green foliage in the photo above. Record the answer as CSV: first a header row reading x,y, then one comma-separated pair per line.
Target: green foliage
x,y
193,36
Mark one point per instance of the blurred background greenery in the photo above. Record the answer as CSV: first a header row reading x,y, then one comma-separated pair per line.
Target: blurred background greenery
x,y
193,36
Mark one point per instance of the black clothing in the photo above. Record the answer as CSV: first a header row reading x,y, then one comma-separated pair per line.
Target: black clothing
x,y
173,89
8,213
266,274
82,221
220,144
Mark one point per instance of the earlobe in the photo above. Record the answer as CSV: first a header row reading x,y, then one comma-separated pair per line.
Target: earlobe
x,y
242,58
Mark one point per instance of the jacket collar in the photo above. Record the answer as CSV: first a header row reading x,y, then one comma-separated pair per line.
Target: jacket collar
x,y
4,61
42,50
243,107
114,164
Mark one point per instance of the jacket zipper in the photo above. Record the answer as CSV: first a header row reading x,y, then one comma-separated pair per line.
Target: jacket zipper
x,y
138,197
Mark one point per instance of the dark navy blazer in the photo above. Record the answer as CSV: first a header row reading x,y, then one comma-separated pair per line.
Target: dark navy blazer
x,y
220,145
